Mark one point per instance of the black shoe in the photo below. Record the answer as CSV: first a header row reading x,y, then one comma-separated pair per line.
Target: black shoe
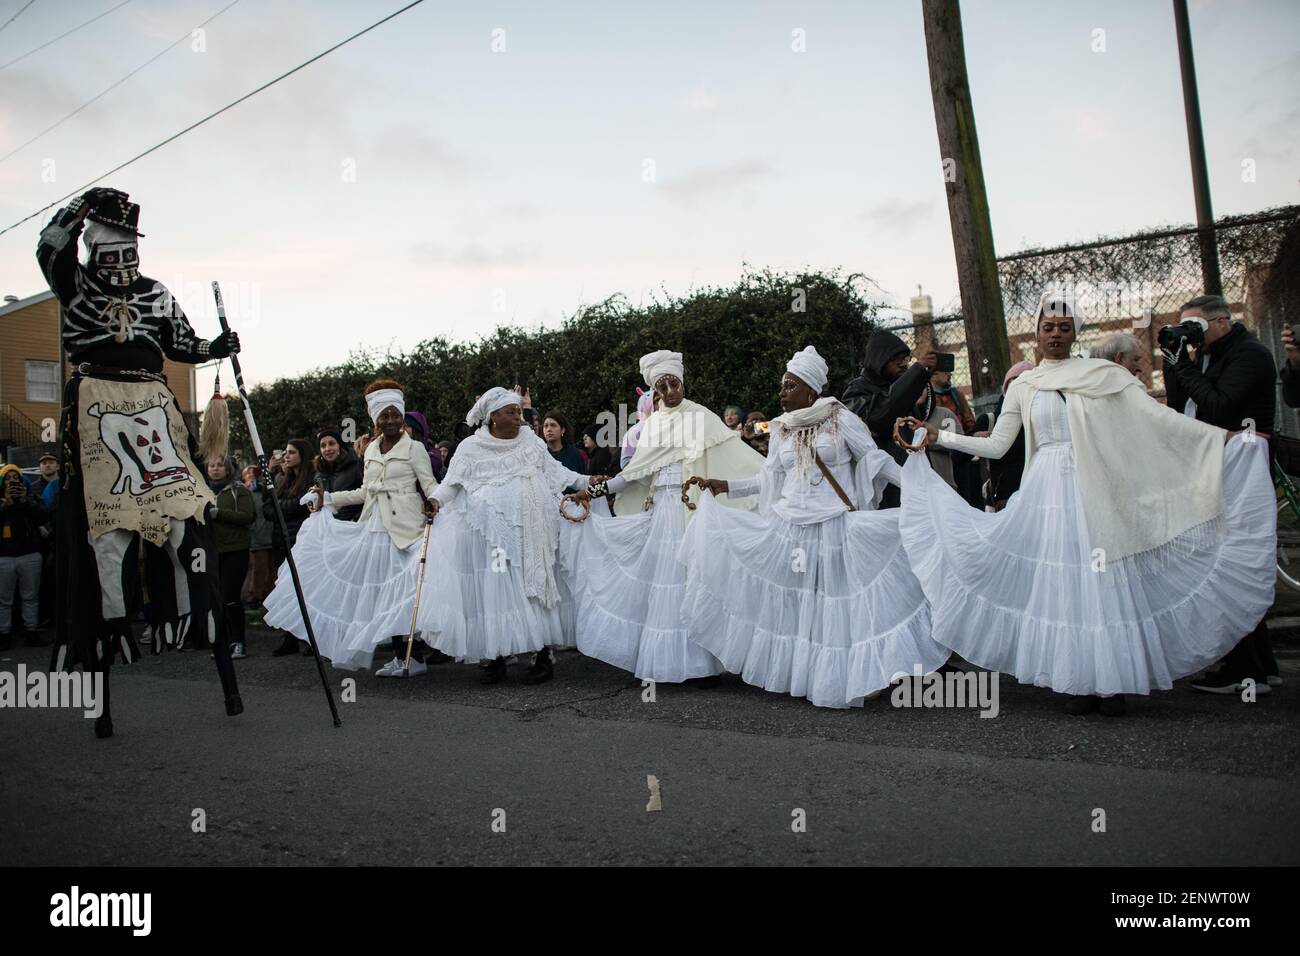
x,y
543,668
1112,706
1225,683
435,656
289,645
6,641
234,706
38,638
103,726
494,673
704,683
1080,704
305,648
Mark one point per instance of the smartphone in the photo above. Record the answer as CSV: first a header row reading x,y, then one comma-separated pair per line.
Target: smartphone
x,y
946,361
521,379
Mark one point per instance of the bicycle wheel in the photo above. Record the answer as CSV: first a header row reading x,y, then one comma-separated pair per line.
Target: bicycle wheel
x,y
1288,542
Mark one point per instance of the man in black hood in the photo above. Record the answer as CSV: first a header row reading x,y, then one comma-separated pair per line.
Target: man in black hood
x,y
886,389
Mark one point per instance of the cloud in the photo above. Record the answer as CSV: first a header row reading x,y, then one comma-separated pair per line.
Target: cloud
x,y
700,100
897,215
708,181
472,255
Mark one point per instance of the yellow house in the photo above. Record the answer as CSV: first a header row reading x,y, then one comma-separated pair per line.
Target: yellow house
x,y
32,373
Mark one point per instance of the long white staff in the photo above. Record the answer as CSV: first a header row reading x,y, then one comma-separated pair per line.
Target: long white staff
x,y
419,587
279,516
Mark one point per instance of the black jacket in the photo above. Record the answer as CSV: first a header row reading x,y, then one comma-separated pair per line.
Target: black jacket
x,y
342,475
1237,384
20,527
1290,386
879,402
294,515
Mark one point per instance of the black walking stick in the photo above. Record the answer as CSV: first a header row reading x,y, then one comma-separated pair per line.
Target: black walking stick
x,y
279,516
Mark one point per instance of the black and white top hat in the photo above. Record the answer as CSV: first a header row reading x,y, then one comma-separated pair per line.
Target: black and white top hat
x,y
118,212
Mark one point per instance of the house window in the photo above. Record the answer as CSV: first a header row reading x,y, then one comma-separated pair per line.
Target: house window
x,y
42,381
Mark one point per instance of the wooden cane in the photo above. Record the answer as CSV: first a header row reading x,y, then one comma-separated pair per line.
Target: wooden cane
x,y
419,587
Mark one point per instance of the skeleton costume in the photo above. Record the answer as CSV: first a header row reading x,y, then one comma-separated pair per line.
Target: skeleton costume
x,y
807,596
358,578
129,476
627,583
497,527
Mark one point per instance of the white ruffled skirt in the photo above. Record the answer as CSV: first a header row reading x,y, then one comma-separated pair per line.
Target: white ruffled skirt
x,y
358,585
474,607
1019,591
628,587
827,611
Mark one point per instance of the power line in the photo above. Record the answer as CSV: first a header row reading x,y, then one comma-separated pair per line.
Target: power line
x,y
66,33
184,36
195,125
18,14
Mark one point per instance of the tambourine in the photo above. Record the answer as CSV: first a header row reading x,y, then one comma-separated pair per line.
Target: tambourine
x,y
586,509
905,442
686,485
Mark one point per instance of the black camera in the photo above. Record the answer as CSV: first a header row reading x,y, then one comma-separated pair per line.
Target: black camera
x,y
1171,337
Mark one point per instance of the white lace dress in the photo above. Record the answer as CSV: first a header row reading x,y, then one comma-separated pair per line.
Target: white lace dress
x,y
804,597
628,587
497,591
1021,591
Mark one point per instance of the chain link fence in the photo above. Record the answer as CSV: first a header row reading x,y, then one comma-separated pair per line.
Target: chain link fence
x,y
1136,284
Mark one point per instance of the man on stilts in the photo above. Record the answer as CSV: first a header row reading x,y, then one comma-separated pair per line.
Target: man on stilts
x,y
132,475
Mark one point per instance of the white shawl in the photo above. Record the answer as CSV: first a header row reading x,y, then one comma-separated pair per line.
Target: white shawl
x,y
508,494
1146,473
692,435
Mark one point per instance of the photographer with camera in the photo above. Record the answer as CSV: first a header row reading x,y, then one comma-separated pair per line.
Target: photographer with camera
x,y
1218,372
889,386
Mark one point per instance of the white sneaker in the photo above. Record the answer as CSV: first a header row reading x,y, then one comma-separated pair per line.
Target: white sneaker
x,y
391,669
417,668
237,652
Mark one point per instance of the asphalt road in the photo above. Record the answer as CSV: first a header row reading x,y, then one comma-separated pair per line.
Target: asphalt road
x,y
420,771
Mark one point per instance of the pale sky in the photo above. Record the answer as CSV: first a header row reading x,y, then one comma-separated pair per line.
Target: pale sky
x,y
416,183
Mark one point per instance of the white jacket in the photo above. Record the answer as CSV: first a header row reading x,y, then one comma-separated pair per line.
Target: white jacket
x,y
389,484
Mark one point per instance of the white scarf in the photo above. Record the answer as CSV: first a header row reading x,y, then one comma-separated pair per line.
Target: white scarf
x,y
1146,473
382,398
510,487
692,435
803,426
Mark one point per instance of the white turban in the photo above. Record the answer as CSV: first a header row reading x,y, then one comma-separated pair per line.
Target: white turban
x,y
1059,305
382,398
810,368
490,401
658,364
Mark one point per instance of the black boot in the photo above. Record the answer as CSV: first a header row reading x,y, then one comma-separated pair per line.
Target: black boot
x,y
234,705
1112,706
1080,704
494,673
103,726
289,645
543,668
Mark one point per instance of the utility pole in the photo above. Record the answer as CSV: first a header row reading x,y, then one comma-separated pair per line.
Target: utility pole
x,y
968,204
1210,277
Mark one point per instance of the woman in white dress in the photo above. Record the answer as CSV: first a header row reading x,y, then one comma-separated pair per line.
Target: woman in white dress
x,y
623,570
813,595
497,528
1138,549
358,578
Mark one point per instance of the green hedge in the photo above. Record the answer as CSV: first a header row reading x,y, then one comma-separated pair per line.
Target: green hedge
x,y
735,341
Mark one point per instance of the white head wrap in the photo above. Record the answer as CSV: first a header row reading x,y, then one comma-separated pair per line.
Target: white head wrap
x,y
490,401
810,368
381,398
658,364
1059,304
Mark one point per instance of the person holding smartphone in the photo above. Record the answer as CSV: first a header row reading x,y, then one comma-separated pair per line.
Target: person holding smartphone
x,y
890,385
21,517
